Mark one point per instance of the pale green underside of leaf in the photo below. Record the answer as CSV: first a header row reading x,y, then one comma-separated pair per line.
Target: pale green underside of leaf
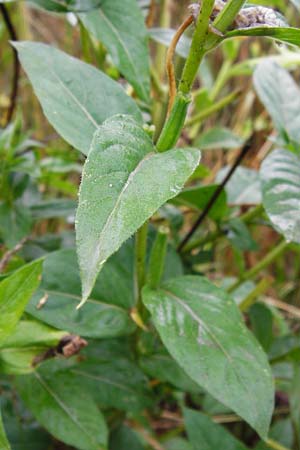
x,y
281,97
203,330
280,178
76,97
15,292
65,408
125,36
124,182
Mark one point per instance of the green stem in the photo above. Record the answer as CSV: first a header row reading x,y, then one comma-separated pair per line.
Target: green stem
x,y
260,289
213,109
197,50
265,262
220,80
275,445
211,237
140,263
157,257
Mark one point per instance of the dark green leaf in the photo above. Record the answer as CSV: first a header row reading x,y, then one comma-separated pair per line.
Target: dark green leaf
x,y
119,25
281,97
61,289
262,323
53,208
76,97
280,178
204,434
64,407
132,181
15,223
15,292
199,196
164,368
203,330
125,438
64,6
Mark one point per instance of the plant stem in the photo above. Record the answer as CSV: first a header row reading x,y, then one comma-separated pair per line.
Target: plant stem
x,y
265,262
259,289
246,218
16,70
157,257
140,264
275,445
213,109
216,194
197,50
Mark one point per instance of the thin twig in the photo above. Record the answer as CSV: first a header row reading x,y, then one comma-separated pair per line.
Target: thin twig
x,y
217,193
8,255
290,309
169,60
16,70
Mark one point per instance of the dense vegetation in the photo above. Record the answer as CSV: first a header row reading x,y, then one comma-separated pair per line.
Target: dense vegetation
x,y
160,309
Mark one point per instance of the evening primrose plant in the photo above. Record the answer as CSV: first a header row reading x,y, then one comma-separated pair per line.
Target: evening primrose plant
x,y
151,327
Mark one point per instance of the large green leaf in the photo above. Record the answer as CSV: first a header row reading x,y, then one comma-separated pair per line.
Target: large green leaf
x,y
15,292
4,444
204,434
203,330
289,35
61,287
281,97
124,182
280,178
76,97
64,406
120,26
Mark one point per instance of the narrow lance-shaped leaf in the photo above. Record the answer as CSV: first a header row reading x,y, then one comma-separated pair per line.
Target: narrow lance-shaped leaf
x,y
119,24
64,407
124,182
76,98
280,178
15,292
203,330
289,35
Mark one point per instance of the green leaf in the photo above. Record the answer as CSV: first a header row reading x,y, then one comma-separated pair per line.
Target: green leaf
x,y
289,35
76,97
164,368
124,438
217,138
53,208
64,407
294,396
164,36
281,97
4,444
15,223
199,196
132,181
15,292
280,178
64,6
61,288
243,188
114,383
262,324
29,340
203,330
120,26
204,434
